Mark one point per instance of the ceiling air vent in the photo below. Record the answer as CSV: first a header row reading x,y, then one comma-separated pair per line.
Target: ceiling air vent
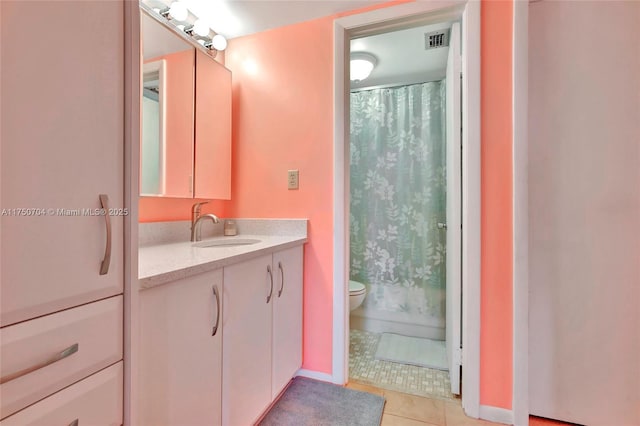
x,y
436,39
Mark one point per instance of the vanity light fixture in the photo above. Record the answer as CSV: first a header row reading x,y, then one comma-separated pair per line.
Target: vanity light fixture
x,y
219,42
180,17
176,10
201,28
361,65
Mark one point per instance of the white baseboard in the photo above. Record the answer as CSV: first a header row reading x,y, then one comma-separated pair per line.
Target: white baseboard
x,y
323,377
496,414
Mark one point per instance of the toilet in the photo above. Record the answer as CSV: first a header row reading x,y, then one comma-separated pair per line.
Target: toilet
x,y
357,293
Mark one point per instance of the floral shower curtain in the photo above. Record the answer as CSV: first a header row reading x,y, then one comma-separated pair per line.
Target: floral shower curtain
x,y
398,196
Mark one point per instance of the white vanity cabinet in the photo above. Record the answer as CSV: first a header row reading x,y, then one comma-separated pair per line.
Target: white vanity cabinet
x,y
262,339
180,367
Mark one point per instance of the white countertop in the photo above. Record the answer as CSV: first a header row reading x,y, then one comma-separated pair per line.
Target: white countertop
x,y
163,263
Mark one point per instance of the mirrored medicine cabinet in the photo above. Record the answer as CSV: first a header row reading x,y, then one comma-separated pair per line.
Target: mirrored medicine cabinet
x,y
186,118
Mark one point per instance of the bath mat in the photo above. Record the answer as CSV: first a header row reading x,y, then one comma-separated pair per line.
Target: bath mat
x,y
412,351
309,402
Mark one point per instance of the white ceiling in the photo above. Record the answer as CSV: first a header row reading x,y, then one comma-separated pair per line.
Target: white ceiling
x,y
401,57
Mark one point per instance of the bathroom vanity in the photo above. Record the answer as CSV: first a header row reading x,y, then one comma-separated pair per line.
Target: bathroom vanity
x,y
220,321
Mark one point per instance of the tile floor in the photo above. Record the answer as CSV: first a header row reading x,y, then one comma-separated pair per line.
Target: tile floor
x,y
364,368
415,396
401,409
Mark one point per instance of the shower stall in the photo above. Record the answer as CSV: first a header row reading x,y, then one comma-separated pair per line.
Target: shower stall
x,y
398,208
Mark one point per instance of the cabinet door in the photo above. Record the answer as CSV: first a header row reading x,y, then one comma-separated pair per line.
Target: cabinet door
x,y
96,401
287,317
246,377
62,146
212,130
180,360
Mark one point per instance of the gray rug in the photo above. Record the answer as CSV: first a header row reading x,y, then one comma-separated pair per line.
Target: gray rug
x,y
309,402
412,351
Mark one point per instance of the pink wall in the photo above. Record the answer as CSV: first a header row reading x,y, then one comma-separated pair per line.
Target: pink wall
x,y
496,342
282,119
159,209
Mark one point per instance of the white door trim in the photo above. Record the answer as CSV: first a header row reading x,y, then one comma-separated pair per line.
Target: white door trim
x,y
383,20
520,401
131,134
453,293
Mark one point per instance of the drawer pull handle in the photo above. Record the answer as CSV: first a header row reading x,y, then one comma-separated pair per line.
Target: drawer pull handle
x,y
282,279
57,357
104,202
271,280
76,422
215,326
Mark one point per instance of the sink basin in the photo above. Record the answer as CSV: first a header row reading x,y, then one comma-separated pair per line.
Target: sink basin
x,y
226,242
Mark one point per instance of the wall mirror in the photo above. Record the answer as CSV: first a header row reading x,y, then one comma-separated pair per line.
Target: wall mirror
x,y
166,167
186,118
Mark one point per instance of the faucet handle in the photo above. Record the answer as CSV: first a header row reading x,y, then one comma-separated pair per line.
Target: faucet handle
x,y
196,206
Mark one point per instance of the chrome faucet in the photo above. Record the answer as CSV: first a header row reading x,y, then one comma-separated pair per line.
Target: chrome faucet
x,y
197,219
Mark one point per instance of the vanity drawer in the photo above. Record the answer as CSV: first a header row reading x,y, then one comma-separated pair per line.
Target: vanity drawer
x,y
95,401
43,355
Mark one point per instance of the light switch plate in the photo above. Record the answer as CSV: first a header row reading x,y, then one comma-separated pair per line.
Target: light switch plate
x,y
292,179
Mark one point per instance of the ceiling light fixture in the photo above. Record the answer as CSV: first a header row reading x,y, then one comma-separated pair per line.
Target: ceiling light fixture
x,y
361,65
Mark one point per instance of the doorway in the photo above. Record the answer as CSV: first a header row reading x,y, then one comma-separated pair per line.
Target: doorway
x,y
387,20
404,222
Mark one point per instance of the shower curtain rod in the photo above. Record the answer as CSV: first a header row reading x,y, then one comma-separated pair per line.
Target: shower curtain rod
x,y
394,85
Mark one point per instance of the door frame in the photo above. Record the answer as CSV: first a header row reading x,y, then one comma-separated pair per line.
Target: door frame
x,y
131,136
376,22
520,75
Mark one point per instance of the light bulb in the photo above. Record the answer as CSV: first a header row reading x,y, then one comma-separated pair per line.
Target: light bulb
x,y
219,42
201,28
178,11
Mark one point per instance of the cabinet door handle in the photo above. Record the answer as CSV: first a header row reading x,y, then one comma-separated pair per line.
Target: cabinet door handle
x,y
281,279
76,422
271,280
57,357
217,296
104,202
